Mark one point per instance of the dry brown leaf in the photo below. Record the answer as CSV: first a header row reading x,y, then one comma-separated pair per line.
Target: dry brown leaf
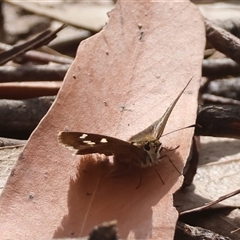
x,y
87,15
8,157
122,80
220,10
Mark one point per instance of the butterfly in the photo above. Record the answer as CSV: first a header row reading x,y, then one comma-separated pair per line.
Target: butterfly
x,y
142,149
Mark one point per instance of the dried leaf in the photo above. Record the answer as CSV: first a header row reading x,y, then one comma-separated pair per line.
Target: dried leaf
x,y
122,80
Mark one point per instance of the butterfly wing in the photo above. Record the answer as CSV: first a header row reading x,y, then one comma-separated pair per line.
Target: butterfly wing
x,y
155,130
88,143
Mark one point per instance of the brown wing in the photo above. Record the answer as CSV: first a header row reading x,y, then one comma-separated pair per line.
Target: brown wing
x,y
87,143
155,130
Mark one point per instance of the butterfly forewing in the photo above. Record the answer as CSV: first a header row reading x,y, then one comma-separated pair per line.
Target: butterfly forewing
x,y
88,143
163,120
155,130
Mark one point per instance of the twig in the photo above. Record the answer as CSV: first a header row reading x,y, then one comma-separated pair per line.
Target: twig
x,y
225,87
21,117
223,41
220,67
2,30
187,232
219,121
33,73
28,90
40,40
42,57
219,100
210,204
231,25
11,142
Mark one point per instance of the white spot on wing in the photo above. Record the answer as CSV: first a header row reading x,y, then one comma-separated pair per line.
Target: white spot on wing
x,y
89,142
103,140
84,135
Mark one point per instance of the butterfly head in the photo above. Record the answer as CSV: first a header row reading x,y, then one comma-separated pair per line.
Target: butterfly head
x,y
152,148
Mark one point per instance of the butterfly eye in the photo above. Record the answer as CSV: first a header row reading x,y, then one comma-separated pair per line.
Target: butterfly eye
x,y
146,146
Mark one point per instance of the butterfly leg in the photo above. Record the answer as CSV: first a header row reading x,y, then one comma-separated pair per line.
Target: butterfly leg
x,y
173,164
140,180
119,172
170,150
116,174
159,175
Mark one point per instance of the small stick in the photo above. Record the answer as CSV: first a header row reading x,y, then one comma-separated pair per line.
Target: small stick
x,y
210,204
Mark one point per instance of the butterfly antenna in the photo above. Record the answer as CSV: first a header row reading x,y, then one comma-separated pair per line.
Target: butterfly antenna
x,y
194,125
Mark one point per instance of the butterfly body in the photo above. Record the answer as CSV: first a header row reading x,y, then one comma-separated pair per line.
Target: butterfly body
x,y
142,149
